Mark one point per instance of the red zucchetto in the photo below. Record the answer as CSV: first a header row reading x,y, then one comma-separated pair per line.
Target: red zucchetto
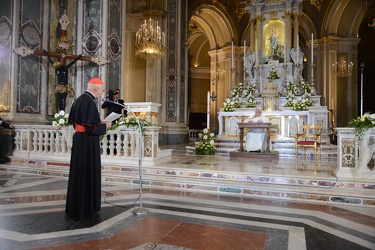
x,y
95,81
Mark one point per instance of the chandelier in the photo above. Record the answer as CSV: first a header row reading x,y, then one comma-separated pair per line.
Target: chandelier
x,y
150,40
343,68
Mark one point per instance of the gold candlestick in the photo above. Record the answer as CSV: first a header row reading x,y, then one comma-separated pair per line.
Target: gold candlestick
x,y
332,136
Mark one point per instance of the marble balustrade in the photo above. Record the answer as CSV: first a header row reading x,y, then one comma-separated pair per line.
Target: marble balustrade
x,y
46,142
353,155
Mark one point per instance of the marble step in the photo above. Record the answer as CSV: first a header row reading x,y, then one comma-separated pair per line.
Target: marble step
x,y
219,182
308,189
327,151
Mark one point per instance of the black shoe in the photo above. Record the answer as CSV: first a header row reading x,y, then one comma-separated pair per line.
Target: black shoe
x,y
6,158
2,161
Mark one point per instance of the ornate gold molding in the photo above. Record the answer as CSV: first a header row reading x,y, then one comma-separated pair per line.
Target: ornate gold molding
x,y
288,14
273,13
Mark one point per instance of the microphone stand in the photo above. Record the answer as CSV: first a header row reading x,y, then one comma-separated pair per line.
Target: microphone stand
x,y
140,210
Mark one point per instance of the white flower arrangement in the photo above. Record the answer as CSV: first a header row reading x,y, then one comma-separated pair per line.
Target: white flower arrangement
x,y
289,100
249,90
291,88
237,102
298,103
60,119
133,122
305,86
206,145
273,74
251,102
362,124
236,91
228,105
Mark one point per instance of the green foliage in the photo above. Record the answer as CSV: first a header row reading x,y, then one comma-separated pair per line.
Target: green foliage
x,y
362,124
132,122
298,103
273,74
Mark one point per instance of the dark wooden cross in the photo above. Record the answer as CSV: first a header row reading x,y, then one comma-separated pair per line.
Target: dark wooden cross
x,y
63,45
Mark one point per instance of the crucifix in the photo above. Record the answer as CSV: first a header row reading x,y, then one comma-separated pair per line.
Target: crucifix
x,y
63,88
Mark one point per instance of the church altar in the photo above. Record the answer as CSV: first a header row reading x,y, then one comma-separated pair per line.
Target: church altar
x,y
147,110
284,122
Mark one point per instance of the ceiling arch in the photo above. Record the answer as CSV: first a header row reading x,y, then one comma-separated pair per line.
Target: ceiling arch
x,y
343,18
209,28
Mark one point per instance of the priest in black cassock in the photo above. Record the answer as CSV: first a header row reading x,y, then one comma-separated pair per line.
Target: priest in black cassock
x,y
84,187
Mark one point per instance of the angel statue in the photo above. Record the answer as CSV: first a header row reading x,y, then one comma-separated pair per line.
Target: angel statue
x,y
293,55
250,60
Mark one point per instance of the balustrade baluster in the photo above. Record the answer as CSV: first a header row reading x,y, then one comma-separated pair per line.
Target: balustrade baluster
x,y
133,148
35,141
52,141
47,142
126,146
58,141
46,147
119,144
105,145
63,143
111,144
17,140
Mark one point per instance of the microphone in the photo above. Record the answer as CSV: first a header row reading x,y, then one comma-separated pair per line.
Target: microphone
x,y
105,100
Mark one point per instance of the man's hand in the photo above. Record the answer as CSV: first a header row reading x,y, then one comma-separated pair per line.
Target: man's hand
x,y
108,124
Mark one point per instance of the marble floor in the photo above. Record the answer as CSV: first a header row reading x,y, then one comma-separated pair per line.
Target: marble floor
x,y
32,216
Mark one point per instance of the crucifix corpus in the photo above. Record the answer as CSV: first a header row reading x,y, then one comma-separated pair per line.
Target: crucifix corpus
x,y
63,88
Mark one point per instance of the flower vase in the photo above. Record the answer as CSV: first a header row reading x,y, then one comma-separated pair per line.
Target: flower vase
x,y
366,150
67,135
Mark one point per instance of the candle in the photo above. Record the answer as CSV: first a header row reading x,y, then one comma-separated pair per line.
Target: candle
x,y
244,60
312,48
297,49
256,51
208,109
332,105
284,53
232,55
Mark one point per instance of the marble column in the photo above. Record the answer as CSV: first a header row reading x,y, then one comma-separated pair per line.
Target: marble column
x,y
288,34
252,32
296,28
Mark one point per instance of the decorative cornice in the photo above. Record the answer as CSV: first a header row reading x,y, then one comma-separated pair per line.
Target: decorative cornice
x,y
273,13
288,14
296,15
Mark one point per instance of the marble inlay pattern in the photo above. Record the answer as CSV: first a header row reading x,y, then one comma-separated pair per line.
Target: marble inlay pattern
x,y
176,220
209,174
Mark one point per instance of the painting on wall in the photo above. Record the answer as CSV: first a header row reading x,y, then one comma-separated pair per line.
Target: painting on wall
x,y
273,41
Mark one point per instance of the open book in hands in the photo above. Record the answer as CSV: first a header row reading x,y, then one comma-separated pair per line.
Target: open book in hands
x,y
112,116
